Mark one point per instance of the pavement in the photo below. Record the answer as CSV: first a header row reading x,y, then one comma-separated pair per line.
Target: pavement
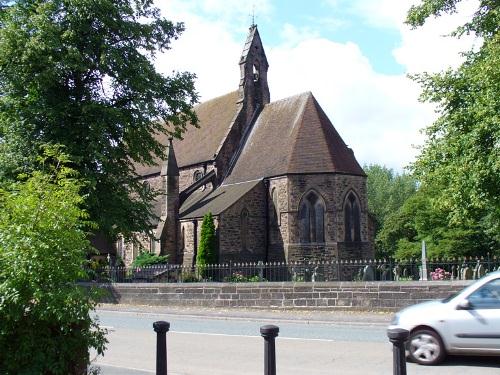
x,y
304,316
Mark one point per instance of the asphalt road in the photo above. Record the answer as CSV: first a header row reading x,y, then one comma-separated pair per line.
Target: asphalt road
x,y
220,343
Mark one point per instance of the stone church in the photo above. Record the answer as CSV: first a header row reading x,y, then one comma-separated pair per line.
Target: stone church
x,y
279,180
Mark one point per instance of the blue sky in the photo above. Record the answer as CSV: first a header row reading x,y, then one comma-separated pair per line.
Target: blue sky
x,y
353,55
339,23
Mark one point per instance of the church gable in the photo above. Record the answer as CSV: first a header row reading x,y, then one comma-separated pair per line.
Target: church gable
x,y
318,147
293,136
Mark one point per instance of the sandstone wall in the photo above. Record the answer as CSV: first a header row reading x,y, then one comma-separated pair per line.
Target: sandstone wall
x,y
319,296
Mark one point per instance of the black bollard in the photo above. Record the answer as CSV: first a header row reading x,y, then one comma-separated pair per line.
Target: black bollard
x,y
161,328
269,333
398,336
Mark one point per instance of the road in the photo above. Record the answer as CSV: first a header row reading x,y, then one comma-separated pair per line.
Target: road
x,y
206,343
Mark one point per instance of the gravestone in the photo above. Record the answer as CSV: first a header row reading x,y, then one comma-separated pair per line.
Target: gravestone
x,y
467,273
368,273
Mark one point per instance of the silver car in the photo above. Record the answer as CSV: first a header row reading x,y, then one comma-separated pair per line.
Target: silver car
x,y
465,323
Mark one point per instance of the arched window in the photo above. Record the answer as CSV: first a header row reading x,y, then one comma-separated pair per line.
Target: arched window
x,y
255,71
312,219
244,229
351,219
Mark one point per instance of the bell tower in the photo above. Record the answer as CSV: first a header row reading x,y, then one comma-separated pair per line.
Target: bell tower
x,y
253,91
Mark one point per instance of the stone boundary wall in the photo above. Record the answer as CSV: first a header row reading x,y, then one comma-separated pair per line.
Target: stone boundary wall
x,y
382,296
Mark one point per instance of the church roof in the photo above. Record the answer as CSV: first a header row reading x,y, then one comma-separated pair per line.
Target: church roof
x,y
200,144
290,136
216,201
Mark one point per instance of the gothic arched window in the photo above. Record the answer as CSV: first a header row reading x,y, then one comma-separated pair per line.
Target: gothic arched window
x,y
312,218
351,219
244,229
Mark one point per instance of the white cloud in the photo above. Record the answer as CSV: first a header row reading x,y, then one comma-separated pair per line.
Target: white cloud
x,y
235,14
423,49
208,50
381,13
378,115
430,48
293,35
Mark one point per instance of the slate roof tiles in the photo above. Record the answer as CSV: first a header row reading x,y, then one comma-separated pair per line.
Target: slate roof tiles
x,y
200,144
292,136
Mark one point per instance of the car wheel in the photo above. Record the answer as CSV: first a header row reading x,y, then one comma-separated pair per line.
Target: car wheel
x,y
425,347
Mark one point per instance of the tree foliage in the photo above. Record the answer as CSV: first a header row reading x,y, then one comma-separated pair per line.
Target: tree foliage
x,y
145,259
80,73
386,191
421,219
461,155
207,250
45,326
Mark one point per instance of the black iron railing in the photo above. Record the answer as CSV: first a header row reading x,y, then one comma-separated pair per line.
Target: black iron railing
x,y
306,271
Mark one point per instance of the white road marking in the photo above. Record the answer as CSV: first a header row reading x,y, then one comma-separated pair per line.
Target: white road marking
x,y
251,336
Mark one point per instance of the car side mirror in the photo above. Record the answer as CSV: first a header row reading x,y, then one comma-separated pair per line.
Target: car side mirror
x,y
464,305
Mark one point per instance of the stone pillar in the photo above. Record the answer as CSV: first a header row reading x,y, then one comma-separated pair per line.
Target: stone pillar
x,y
168,227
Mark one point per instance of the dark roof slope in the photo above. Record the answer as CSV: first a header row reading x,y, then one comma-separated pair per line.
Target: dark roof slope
x,y
217,201
200,144
293,135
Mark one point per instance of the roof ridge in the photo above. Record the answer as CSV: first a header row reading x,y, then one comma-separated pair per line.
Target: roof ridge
x,y
215,98
326,126
299,120
318,112
255,180
304,93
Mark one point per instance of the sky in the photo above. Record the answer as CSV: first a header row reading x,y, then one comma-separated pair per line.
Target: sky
x,y
353,55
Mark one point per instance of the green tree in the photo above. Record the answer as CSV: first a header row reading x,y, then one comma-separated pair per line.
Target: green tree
x,y
387,191
207,250
45,322
461,154
145,259
420,218
80,73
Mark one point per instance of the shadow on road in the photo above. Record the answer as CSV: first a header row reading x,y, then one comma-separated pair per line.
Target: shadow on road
x,y
476,361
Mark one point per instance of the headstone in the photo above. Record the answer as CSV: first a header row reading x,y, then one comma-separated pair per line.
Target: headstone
x,y
397,272
479,271
467,273
384,276
423,272
315,274
368,273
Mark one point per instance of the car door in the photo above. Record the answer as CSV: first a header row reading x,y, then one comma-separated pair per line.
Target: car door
x,y
477,327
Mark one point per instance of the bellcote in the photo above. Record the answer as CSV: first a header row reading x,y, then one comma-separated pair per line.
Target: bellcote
x,y
253,89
